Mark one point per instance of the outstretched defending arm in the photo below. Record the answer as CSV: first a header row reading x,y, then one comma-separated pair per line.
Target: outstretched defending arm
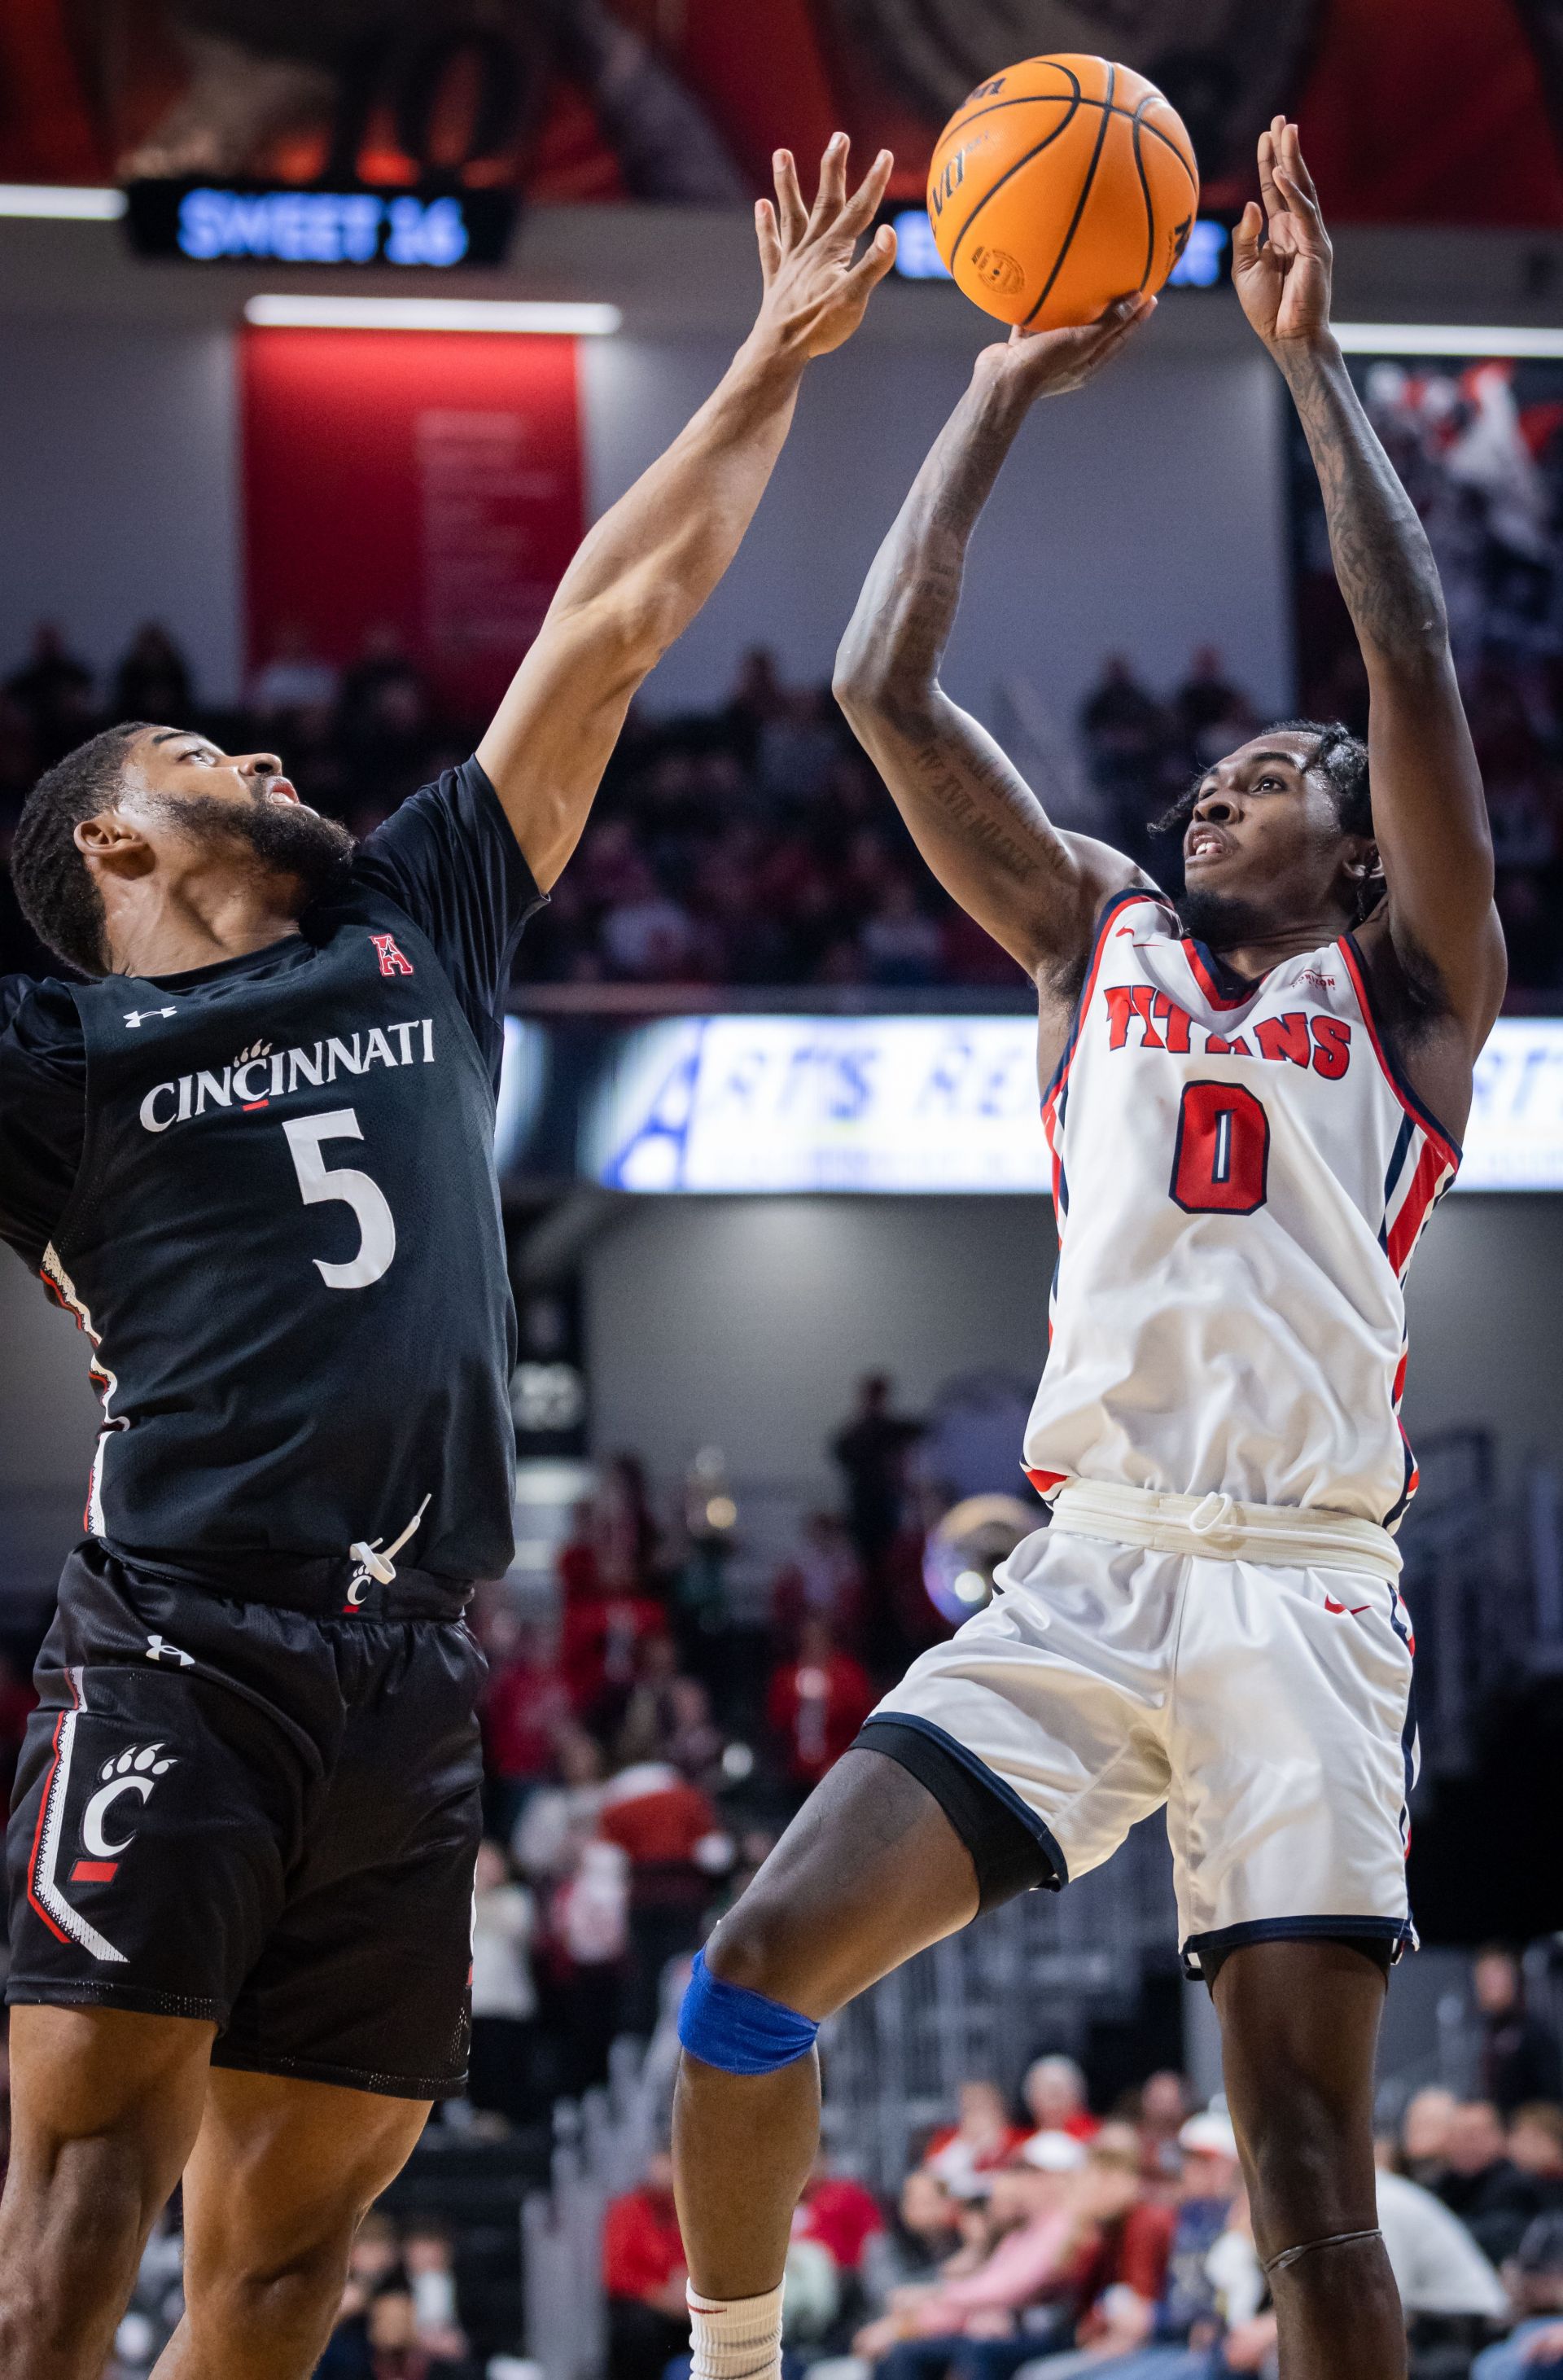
x,y
649,563
1429,815
976,822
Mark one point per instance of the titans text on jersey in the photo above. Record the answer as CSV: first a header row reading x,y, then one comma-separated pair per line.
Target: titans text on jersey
x,y
1241,1175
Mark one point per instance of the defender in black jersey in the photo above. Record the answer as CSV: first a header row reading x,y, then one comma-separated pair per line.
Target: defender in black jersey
x,y
250,1151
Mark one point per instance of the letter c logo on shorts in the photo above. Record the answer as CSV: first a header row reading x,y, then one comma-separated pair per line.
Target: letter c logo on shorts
x,y
134,1774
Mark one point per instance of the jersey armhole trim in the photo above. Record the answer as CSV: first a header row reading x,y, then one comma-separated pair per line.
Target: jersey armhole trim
x,y
87,1166
540,900
1447,1146
1066,1057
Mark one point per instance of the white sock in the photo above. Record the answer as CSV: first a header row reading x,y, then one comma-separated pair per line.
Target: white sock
x,y
735,2338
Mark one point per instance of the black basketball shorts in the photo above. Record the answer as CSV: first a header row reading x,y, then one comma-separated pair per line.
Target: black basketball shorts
x,y
260,1808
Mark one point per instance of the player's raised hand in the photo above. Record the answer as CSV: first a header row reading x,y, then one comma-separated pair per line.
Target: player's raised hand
x,y
815,293
1282,255
1050,363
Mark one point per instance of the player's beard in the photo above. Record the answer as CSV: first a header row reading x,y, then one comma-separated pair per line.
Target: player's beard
x,y
284,838
1222,919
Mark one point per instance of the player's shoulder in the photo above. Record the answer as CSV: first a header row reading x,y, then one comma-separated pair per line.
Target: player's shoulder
x,y
39,1017
459,797
1138,909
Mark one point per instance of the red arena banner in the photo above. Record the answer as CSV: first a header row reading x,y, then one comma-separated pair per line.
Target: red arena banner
x,y
416,480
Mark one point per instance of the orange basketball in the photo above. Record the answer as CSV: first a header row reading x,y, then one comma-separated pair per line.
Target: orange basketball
x,y
1059,185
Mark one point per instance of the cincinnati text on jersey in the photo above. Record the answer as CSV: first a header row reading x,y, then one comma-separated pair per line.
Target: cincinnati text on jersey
x,y
256,1081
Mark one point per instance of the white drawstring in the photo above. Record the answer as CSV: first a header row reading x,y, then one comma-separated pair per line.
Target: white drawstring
x,y
1213,1511
380,1566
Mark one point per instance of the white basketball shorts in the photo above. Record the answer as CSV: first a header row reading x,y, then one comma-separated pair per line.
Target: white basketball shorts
x,y
1267,1704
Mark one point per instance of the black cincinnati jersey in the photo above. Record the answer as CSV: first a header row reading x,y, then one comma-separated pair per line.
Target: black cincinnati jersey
x,y
266,1190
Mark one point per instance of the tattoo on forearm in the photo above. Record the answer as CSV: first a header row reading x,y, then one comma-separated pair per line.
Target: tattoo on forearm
x,y
1383,561
979,825
978,797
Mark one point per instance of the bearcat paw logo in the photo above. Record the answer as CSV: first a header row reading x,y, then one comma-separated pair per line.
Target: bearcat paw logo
x,y
256,1050
140,1761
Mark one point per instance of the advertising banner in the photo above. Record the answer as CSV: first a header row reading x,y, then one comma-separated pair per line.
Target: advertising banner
x,y
909,1105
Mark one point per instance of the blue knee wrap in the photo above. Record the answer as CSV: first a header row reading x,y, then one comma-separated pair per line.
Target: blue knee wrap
x,y
742,2032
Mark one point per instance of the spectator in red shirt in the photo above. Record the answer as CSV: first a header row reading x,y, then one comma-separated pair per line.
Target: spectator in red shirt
x,y
1123,2273
817,1704
644,2276
1054,2091
677,1848
839,2213
982,2141
524,1710
600,1637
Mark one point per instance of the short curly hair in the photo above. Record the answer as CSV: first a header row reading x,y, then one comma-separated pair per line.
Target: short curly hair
x,y
53,882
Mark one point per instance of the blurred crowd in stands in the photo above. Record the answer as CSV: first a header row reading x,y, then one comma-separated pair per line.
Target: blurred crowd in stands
x,y
753,845
638,1771
642,1755
1039,2239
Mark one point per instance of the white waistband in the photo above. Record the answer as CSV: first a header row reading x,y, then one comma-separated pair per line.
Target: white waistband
x,y
1218,1528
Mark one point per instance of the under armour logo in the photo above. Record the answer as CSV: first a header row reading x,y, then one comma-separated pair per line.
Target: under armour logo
x,y
160,1649
390,959
134,1017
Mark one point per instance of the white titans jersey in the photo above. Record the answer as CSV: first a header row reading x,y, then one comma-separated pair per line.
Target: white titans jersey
x,y
1239,1176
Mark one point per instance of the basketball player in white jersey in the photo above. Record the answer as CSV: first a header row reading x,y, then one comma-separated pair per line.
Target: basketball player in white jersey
x,y
1253,1102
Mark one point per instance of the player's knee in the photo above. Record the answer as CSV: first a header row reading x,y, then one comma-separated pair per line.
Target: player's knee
x,y
760,1946
738,2013
289,2293
69,2244
1301,2156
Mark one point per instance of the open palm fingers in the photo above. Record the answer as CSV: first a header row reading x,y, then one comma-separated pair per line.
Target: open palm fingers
x,y
792,215
769,239
872,266
832,193
864,204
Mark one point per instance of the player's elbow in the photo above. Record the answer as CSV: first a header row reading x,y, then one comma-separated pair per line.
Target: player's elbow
x,y
875,687
624,633
1408,642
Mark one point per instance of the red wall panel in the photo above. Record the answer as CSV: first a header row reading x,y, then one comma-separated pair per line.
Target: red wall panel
x,y
433,480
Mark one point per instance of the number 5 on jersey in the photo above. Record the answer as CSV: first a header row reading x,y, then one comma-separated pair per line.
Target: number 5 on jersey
x,y
1222,1158
318,1181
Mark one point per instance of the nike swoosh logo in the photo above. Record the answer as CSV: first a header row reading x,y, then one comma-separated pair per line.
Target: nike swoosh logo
x,y
1353,1610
